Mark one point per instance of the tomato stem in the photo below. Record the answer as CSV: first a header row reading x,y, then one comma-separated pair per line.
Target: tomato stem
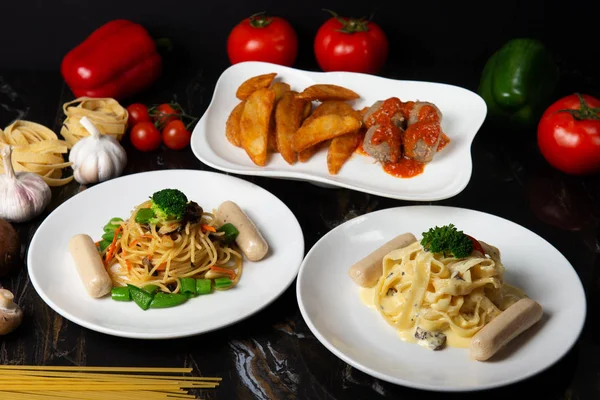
x,y
259,20
161,118
584,111
352,25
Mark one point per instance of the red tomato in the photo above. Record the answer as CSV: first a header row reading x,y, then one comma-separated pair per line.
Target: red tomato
x,y
355,45
476,245
145,137
262,38
569,134
175,135
137,113
164,113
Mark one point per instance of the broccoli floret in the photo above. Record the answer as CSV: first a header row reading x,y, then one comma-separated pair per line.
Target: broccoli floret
x,y
168,205
448,241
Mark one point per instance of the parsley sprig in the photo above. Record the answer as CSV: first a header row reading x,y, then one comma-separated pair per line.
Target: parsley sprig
x,y
448,241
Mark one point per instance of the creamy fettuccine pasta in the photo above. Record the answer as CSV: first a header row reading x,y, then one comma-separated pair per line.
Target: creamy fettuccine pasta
x,y
435,299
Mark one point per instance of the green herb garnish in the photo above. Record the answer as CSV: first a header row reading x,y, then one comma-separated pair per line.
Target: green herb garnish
x,y
448,241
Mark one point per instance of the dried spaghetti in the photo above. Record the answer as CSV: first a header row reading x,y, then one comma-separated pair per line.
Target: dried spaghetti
x,y
95,383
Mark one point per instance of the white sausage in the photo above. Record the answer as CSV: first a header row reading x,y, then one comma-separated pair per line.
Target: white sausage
x,y
513,321
367,271
250,241
89,265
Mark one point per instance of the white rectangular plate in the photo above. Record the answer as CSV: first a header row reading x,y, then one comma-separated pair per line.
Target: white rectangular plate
x,y
447,175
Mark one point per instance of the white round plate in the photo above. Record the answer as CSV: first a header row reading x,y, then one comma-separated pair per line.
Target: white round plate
x,y
330,304
445,176
53,274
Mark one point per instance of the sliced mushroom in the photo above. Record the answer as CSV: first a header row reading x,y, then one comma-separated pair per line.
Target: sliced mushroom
x,y
11,314
169,228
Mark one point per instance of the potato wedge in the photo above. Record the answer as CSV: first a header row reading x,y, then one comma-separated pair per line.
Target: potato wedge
x,y
232,127
322,92
280,88
253,84
340,150
289,113
254,124
306,154
323,128
334,107
328,107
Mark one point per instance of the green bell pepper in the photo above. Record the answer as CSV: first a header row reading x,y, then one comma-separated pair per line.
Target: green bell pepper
x,y
518,81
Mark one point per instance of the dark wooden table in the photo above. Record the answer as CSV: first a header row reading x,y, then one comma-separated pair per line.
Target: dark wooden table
x,y
273,354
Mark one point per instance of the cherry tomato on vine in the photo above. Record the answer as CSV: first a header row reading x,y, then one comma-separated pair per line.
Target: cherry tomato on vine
x,y
349,44
175,135
145,137
262,38
164,113
137,113
569,134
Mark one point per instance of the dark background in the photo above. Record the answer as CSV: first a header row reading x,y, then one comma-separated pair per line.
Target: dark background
x,y
435,36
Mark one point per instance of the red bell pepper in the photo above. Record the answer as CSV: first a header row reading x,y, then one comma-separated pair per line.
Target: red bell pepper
x,y
117,60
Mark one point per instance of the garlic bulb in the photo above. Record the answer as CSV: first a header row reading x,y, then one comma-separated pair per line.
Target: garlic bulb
x,y
96,158
23,195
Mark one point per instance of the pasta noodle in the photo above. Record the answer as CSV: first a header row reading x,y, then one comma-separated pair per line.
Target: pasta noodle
x,y
105,113
36,149
90,383
456,297
145,256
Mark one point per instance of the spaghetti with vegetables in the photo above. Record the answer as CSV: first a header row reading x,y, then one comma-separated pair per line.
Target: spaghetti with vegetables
x,y
169,250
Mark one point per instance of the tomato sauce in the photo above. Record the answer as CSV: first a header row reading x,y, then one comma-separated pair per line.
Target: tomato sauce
x,y
427,129
387,131
443,141
405,168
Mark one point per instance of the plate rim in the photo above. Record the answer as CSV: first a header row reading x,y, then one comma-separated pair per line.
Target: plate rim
x,y
161,336
407,383
212,159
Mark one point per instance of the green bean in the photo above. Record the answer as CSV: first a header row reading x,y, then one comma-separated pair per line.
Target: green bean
x,y
165,300
222,283
150,288
144,215
120,293
112,224
188,285
231,233
203,286
141,298
104,244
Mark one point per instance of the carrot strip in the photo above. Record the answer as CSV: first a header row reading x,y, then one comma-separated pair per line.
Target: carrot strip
x,y
208,228
229,272
113,246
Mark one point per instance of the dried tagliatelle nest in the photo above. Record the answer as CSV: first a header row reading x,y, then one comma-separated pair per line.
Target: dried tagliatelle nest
x,y
105,113
36,149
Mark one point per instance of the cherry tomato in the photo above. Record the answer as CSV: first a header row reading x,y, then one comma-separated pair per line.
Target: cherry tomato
x,y
145,137
347,44
262,38
164,113
569,134
175,135
476,245
137,113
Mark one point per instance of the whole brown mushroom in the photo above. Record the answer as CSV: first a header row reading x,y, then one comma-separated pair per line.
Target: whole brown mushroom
x,y
10,249
11,314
